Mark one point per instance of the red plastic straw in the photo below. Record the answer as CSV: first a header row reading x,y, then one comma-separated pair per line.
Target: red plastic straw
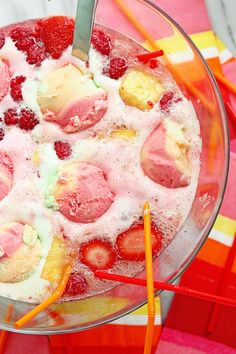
x,y
179,289
222,287
145,57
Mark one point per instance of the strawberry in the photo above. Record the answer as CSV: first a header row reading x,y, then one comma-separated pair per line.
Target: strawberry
x,y
130,244
98,254
57,34
77,285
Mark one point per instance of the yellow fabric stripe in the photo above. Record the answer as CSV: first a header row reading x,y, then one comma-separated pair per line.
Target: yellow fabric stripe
x,y
220,45
225,225
143,310
175,44
204,40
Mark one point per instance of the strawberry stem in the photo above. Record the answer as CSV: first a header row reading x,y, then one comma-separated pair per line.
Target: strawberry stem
x,y
145,57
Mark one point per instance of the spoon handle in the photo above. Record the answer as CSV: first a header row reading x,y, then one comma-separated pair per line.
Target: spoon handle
x,y
83,28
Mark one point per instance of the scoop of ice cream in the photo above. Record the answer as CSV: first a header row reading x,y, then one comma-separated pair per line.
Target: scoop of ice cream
x,y
140,89
164,156
5,77
82,192
6,174
71,99
20,252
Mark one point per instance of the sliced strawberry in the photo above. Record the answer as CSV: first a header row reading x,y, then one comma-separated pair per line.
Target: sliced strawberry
x,y
77,285
98,254
57,34
130,244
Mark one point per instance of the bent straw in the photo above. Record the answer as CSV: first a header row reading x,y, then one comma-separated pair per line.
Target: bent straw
x,y
223,284
220,78
149,275
53,298
151,41
3,335
179,289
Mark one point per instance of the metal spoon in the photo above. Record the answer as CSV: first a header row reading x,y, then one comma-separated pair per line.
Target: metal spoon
x,y
83,28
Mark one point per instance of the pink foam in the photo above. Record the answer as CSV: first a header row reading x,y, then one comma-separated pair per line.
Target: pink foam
x,y
88,197
11,237
158,165
5,77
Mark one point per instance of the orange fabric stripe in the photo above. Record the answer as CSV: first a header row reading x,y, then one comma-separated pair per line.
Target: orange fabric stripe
x,y
215,253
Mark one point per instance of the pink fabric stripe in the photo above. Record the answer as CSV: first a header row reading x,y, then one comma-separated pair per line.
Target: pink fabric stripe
x,y
189,344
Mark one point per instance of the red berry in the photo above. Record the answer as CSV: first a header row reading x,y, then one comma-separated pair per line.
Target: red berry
x,y
16,91
63,149
28,119
153,64
36,54
77,285
166,100
11,117
118,67
2,133
38,30
101,41
130,244
2,39
98,254
57,34
18,80
19,33
25,43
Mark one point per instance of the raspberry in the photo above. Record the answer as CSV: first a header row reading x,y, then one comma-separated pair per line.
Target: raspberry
x,y
118,67
11,117
101,41
15,84
76,285
36,54
25,43
2,39
19,33
38,30
166,99
153,64
28,119
63,149
2,133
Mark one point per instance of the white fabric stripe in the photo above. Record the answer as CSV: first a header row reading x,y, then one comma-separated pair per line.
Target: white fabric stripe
x,y
225,55
187,55
136,320
211,52
221,237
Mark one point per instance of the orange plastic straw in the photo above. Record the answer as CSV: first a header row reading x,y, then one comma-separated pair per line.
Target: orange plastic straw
x,y
53,298
3,335
219,77
149,275
151,41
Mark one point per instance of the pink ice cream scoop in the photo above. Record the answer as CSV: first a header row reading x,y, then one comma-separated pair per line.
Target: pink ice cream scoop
x,y
5,77
82,192
71,99
164,156
11,237
6,174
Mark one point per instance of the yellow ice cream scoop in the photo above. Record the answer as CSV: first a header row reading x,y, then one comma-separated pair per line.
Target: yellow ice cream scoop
x,y
140,89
